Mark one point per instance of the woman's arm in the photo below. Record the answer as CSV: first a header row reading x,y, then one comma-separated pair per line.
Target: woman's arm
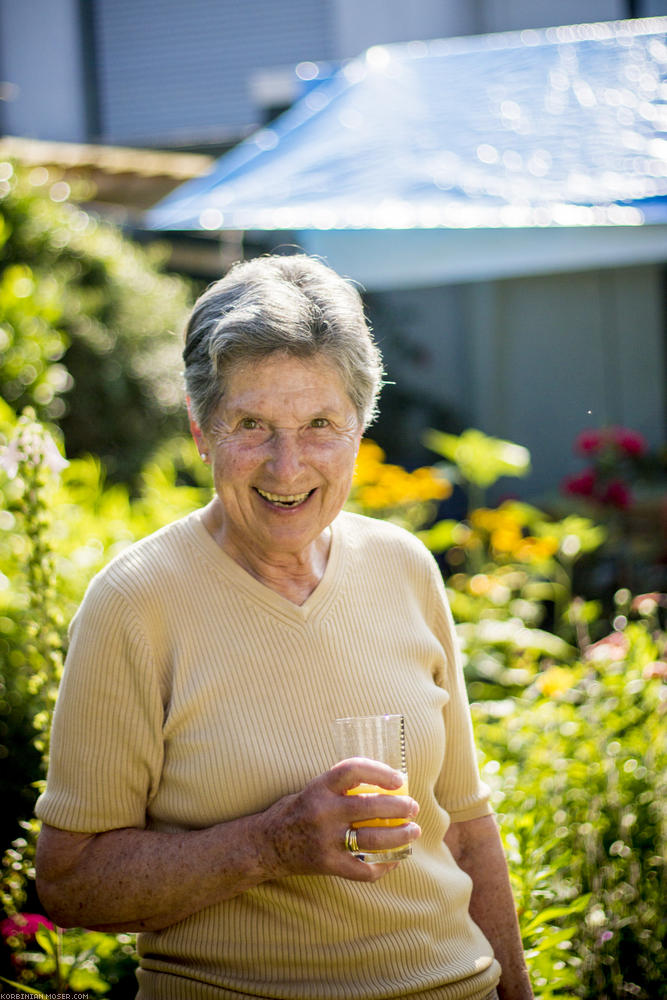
x,y
132,879
476,847
136,880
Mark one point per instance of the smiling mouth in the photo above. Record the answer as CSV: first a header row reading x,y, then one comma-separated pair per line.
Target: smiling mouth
x,y
284,500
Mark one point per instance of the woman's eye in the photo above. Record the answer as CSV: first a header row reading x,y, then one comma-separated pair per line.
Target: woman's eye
x,y
249,424
319,422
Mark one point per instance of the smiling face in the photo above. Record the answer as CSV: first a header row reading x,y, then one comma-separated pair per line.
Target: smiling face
x,y
282,444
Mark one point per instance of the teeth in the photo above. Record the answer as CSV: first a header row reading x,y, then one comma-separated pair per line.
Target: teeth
x,y
289,498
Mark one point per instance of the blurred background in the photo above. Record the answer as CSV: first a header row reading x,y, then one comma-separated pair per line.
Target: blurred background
x,y
532,327
493,175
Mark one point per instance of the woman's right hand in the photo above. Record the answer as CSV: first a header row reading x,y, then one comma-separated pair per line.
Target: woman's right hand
x,y
136,879
304,833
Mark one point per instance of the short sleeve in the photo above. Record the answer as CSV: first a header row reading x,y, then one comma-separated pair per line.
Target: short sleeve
x,y
459,788
106,743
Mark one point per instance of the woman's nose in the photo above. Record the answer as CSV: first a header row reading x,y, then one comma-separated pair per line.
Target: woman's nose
x,y
286,455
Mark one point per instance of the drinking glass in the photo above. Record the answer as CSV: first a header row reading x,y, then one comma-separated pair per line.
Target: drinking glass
x,y
378,737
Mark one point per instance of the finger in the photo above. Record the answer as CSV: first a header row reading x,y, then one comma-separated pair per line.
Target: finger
x,y
355,771
386,838
386,809
361,871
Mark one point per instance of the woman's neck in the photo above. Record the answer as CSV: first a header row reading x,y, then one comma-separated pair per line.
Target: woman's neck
x,y
293,575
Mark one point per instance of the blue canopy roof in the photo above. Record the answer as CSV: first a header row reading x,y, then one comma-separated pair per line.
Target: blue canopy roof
x,y
564,127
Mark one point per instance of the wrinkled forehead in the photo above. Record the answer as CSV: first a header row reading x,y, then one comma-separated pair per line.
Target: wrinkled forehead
x,y
282,385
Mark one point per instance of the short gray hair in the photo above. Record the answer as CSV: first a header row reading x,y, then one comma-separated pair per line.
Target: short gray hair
x,y
279,304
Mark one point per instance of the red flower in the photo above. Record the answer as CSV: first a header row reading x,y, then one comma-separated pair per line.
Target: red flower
x,y
25,924
617,494
625,440
582,485
588,442
629,441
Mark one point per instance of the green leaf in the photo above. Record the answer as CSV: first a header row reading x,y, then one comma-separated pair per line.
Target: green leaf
x,y
24,989
480,459
551,913
553,939
441,536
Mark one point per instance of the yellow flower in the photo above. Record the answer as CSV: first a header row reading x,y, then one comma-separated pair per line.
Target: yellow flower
x,y
379,486
536,549
484,519
555,681
374,497
506,538
369,463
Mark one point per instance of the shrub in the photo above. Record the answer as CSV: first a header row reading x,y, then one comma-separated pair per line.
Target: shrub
x,y
579,772
81,305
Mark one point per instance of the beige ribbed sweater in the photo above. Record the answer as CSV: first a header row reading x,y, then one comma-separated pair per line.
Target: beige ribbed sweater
x,y
193,694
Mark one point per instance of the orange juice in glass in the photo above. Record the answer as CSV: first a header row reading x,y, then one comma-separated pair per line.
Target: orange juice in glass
x,y
378,737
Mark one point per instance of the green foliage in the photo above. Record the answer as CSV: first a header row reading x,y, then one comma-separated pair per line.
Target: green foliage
x,y
31,622
54,960
31,342
510,586
83,306
510,572
479,460
579,773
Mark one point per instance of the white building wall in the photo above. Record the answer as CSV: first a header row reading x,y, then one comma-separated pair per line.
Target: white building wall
x,y
173,70
359,24
537,359
512,15
41,69
572,353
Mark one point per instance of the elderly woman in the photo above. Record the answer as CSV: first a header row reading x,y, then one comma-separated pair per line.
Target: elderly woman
x,y
193,793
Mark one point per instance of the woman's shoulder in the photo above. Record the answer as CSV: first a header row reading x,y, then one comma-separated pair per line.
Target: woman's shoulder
x,y
364,532
147,563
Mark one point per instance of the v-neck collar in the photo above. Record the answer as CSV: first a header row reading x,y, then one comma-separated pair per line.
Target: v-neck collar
x,y
315,604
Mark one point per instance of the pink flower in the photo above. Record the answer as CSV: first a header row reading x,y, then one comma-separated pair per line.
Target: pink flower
x,y
612,647
9,459
581,485
617,494
35,446
647,603
629,441
588,442
625,440
658,668
25,924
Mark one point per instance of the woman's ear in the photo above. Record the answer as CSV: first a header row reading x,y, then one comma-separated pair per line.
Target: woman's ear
x,y
197,434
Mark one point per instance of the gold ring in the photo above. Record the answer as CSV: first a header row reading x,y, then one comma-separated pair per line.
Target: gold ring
x,y
351,843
